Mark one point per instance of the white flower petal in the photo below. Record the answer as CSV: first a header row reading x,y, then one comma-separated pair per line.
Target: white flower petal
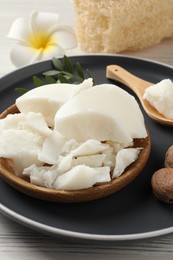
x,y
19,30
43,21
64,36
40,38
54,50
22,54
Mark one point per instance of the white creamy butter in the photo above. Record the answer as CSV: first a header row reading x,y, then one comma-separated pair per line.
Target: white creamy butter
x,y
21,139
73,179
96,160
123,159
22,147
79,177
90,147
51,148
33,122
104,112
92,126
49,98
41,175
160,96
12,122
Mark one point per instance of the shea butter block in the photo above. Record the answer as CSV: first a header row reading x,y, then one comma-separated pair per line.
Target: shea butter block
x,y
49,98
160,96
122,25
120,121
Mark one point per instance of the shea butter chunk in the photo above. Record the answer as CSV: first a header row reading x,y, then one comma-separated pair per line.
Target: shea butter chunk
x,y
52,148
123,159
81,177
49,98
160,96
104,112
22,147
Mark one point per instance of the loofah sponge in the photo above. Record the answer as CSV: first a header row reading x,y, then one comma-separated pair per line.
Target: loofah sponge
x,y
122,25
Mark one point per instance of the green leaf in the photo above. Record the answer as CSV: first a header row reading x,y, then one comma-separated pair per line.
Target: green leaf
x,y
57,64
37,81
88,73
63,79
64,71
68,76
50,80
68,64
79,70
51,73
21,91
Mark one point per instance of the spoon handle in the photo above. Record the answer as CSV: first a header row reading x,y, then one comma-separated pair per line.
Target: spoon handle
x,y
119,74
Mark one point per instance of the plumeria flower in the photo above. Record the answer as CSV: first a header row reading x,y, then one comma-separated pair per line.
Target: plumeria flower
x,y
40,37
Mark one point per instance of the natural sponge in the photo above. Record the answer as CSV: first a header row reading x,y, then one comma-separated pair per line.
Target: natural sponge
x,y
120,25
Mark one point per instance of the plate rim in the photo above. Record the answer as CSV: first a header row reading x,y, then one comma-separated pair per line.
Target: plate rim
x,y
73,234
79,235
89,55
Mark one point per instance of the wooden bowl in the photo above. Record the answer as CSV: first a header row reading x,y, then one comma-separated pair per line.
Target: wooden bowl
x,y
96,192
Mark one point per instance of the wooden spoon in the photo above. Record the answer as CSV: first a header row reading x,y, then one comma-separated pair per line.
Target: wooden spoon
x,y
138,85
23,185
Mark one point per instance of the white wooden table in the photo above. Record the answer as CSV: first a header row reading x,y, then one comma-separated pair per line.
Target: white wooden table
x,y
18,242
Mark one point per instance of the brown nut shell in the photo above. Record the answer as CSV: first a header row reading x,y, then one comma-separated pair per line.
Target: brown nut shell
x,y
162,184
169,157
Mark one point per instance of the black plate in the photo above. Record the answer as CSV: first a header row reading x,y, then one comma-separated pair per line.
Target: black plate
x,y
133,212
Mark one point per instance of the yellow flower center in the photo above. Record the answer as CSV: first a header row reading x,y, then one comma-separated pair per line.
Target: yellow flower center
x,y
40,41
